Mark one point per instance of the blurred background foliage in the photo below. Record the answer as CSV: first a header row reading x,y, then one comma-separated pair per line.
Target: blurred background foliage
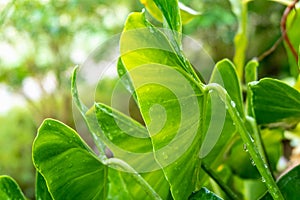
x,y
41,42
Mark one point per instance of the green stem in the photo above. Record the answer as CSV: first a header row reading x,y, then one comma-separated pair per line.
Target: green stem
x,y
123,166
220,182
240,40
249,142
256,136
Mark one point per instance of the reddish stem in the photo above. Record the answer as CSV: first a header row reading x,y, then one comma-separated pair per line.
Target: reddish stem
x,y
283,28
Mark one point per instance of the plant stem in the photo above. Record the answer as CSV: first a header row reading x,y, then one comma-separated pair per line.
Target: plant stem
x,y
220,182
249,141
287,11
115,162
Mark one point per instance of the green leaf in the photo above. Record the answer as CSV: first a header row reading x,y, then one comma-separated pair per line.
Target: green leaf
x,y
187,14
9,189
171,13
225,75
289,185
41,189
169,100
69,167
204,194
91,120
137,182
274,101
251,71
141,43
131,142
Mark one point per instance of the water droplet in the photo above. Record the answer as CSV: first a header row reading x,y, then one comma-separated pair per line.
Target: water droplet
x,y
232,104
252,162
70,141
245,147
266,166
70,165
252,140
263,180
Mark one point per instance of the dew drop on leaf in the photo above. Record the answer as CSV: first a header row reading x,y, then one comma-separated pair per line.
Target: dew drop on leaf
x,y
232,104
263,180
245,147
252,162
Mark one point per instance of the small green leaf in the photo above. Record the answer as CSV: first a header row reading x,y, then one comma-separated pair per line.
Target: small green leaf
x,y
9,189
69,167
251,71
204,194
274,101
289,185
187,14
171,13
41,189
225,74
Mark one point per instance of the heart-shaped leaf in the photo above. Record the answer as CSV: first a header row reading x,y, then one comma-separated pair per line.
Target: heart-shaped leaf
x,y
69,167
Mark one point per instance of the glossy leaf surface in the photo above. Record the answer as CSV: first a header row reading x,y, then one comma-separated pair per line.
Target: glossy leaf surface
x,y
187,14
130,141
9,189
204,194
217,116
169,100
41,190
171,13
69,167
274,101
